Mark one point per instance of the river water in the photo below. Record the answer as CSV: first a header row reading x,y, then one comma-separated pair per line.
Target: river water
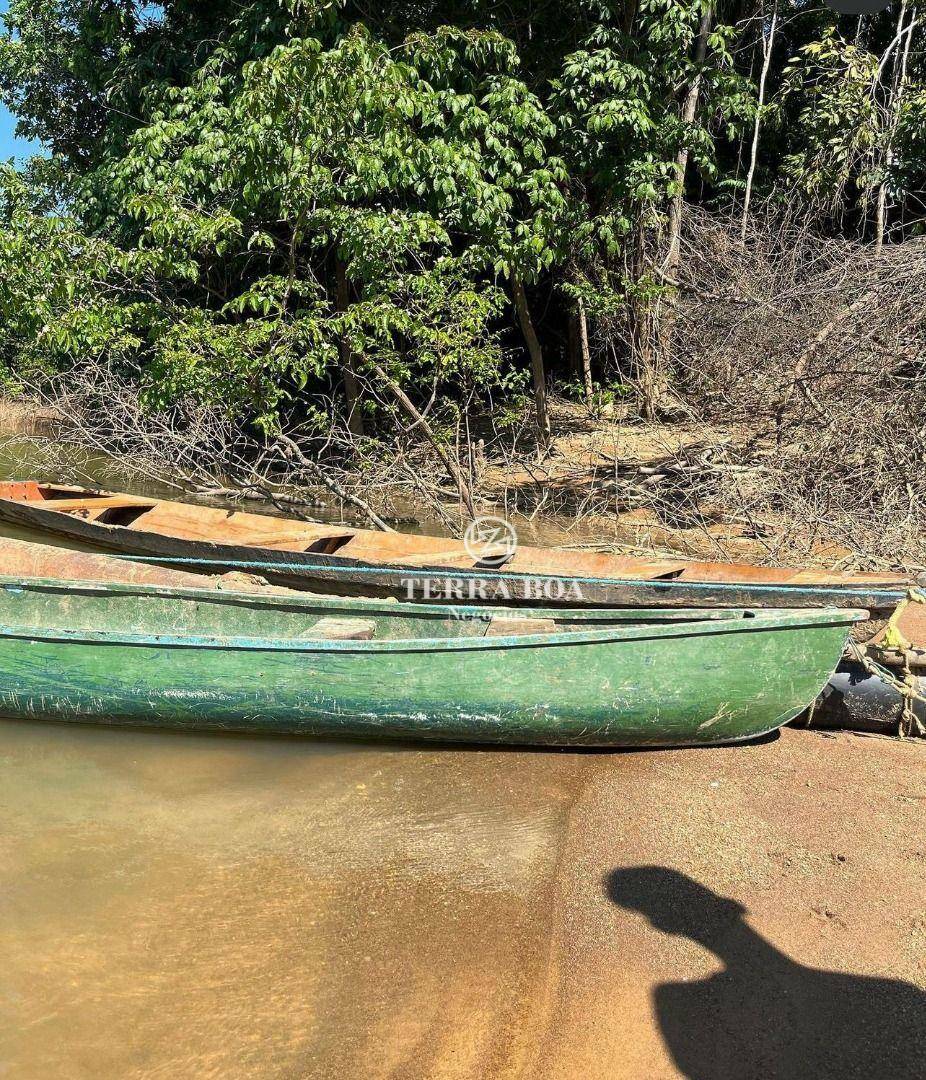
x,y
181,905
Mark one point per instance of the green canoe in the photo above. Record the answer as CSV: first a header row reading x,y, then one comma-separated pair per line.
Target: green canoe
x,y
200,659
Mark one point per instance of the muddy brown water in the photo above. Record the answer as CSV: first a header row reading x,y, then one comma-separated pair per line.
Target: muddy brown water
x,y
199,906
217,906
22,458
176,905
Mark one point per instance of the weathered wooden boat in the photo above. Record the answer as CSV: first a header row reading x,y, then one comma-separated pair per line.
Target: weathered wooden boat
x,y
853,698
335,558
205,659
23,558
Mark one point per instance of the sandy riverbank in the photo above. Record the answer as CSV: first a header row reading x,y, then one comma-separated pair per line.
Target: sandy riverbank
x,y
214,907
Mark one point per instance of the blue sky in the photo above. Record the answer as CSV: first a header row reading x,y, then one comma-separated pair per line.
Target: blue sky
x,y
10,146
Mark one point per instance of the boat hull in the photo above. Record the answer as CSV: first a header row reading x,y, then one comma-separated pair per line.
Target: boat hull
x,y
697,683
351,577
301,555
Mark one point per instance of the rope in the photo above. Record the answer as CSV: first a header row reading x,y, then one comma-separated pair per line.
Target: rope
x,y
894,638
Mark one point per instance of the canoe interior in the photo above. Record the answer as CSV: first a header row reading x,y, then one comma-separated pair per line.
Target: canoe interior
x,y
156,612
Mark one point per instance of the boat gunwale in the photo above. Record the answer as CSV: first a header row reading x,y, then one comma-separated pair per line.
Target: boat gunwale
x,y
762,620
386,605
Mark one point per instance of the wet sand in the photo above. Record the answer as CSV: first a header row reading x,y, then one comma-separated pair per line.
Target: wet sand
x,y
205,906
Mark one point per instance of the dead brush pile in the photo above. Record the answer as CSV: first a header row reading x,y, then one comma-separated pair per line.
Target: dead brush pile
x,y
813,350
795,368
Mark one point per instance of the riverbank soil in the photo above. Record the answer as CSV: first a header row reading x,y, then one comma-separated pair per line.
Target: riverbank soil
x,y
228,907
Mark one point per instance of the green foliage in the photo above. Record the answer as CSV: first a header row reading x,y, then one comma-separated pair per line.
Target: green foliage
x,y
60,290
839,119
618,113
237,198
617,108
907,168
857,125
424,170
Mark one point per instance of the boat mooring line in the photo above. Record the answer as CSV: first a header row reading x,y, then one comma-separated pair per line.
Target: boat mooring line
x,y
400,572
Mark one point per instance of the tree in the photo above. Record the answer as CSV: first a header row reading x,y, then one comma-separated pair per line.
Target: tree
x,y
768,45
860,128
330,204
279,205
628,140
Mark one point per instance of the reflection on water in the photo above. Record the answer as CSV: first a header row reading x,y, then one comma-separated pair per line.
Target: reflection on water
x,y
60,463
178,905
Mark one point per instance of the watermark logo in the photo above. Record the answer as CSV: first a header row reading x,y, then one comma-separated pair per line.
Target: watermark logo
x,y
490,541
494,590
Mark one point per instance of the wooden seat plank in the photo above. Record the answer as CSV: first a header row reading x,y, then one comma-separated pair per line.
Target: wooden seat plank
x,y
331,628
69,506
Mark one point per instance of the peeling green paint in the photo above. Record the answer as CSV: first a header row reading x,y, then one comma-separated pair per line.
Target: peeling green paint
x,y
210,660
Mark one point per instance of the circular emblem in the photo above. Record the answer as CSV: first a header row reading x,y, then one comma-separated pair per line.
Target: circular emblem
x,y
490,541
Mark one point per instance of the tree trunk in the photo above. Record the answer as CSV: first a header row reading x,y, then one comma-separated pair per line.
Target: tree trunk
x,y
421,421
688,113
881,216
767,45
575,351
646,344
896,99
351,388
585,352
652,380
536,354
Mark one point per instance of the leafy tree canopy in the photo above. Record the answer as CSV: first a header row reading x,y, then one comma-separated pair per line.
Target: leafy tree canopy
x,y
241,203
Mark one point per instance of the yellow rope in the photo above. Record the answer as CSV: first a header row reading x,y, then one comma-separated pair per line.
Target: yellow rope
x,y
893,638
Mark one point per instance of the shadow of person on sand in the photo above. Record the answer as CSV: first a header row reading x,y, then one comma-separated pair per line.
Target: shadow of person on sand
x,y
765,1016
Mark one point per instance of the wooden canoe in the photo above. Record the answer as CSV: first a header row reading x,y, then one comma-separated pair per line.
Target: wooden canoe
x,y
336,558
22,558
852,699
204,659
